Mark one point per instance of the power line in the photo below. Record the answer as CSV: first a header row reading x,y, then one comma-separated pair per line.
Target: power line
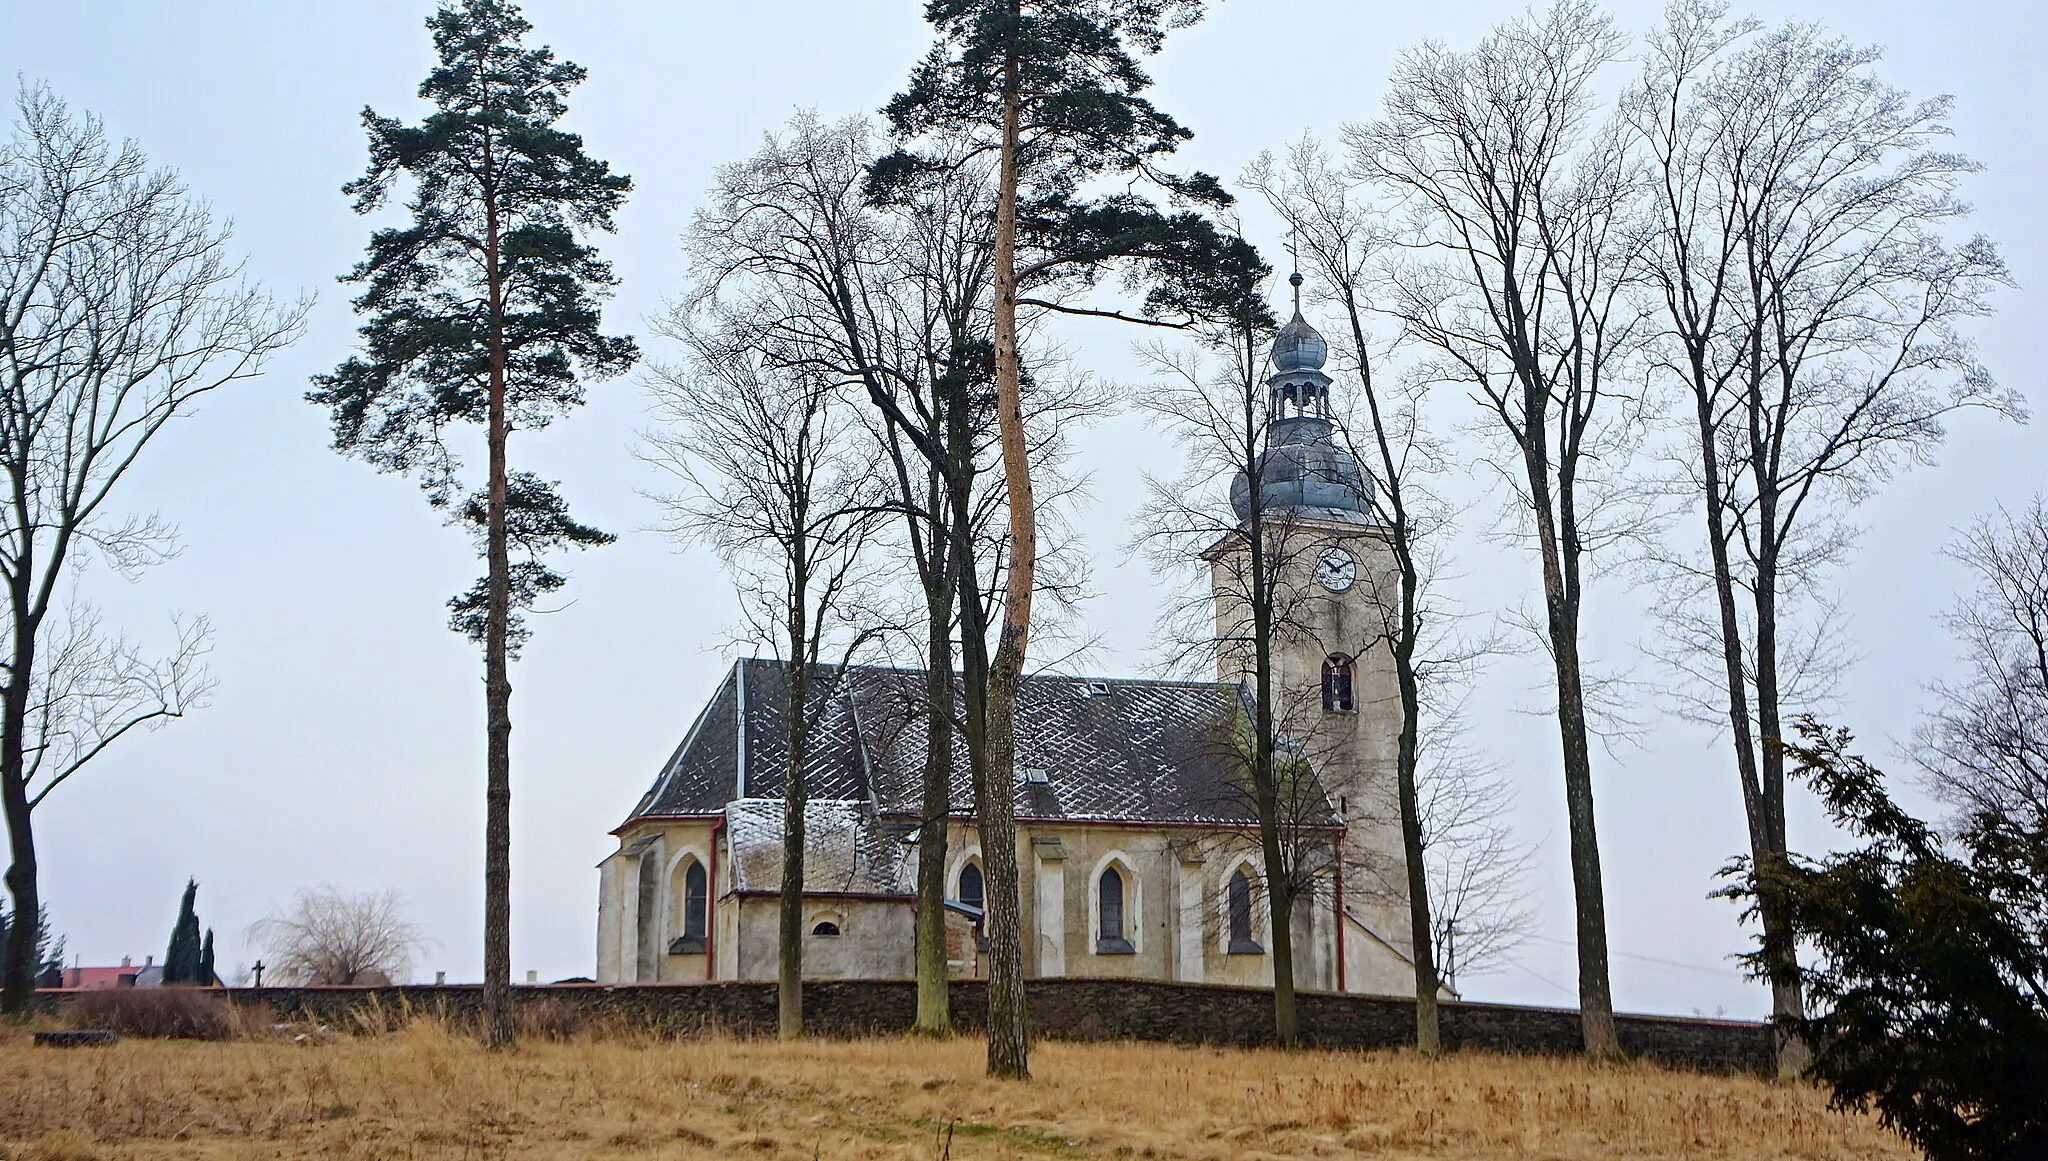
x,y
1722,972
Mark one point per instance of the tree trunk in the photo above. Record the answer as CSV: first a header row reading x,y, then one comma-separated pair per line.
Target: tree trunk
x,y
1280,905
1788,1001
497,690
933,1017
1008,1037
1556,536
1428,1039
1596,1001
1265,787
1403,641
789,991
1008,1033
19,989
1792,1053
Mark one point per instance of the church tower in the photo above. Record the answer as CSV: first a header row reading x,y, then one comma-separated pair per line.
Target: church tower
x,y
1333,584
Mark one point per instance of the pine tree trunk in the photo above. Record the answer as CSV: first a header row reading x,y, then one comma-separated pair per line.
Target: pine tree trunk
x,y
1008,1033
1008,1036
17,994
497,689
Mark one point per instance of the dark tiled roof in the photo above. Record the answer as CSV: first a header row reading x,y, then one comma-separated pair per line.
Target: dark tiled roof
x,y
698,778
1111,750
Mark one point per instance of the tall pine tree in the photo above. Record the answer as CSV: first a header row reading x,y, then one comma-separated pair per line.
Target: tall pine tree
x,y
483,309
1052,88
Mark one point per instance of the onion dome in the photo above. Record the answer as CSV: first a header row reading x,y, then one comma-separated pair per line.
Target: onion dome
x,y
1299,347
1303,469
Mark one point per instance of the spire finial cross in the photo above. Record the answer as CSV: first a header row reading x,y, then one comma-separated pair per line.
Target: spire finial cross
x,y
1294,260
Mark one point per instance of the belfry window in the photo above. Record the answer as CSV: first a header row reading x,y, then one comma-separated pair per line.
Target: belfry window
x,y
1238,896
1337,684
1111,936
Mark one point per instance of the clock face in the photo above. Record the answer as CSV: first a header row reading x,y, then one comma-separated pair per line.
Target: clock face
x,y
1335,570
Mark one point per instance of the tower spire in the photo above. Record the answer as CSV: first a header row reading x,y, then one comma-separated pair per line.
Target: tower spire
x,y
1302,467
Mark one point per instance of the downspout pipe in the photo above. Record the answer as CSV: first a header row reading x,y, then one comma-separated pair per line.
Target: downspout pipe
x,y
1341,988
711,906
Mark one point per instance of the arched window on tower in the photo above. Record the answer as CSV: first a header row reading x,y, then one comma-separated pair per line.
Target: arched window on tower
x,y
1337,683
1239,894
1111,937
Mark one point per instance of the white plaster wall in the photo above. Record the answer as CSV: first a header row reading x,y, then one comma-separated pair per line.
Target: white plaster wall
x,y
609,918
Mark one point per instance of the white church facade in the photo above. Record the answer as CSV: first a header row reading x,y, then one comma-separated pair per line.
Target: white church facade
x,y
1137,848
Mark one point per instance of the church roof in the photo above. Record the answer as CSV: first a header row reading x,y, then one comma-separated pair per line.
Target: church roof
x,y
1088,749
845,852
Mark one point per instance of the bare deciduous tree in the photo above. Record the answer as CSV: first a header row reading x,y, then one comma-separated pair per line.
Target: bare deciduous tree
x,y
1812,312
335,937
119,308
1259,554
886,300
786,488
1475,867
1340,240
1517,285
1984,747
890,299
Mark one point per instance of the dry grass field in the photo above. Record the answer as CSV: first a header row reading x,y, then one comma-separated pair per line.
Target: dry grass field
x,y
421,1092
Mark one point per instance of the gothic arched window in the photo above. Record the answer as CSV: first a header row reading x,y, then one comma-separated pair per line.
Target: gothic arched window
x,y
694,899
1337,683
1111,937
971,891
690,915
1239,894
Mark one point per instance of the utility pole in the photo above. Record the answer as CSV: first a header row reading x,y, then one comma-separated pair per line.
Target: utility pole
x,y
1451,958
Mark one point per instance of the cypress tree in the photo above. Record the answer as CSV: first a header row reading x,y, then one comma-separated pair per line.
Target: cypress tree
x,y
483,309
182,958
207,978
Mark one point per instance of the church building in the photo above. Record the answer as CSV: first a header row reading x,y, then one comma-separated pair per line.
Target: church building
x,y
1137,846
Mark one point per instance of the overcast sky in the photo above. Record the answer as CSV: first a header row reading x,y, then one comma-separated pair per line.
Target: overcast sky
x,y
344,742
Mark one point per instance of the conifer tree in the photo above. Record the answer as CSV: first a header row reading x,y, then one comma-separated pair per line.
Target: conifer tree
x,y
1053,89
182,959
483,309
207,977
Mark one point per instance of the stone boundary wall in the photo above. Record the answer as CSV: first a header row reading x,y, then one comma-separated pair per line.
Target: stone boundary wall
x,y
1061,1009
